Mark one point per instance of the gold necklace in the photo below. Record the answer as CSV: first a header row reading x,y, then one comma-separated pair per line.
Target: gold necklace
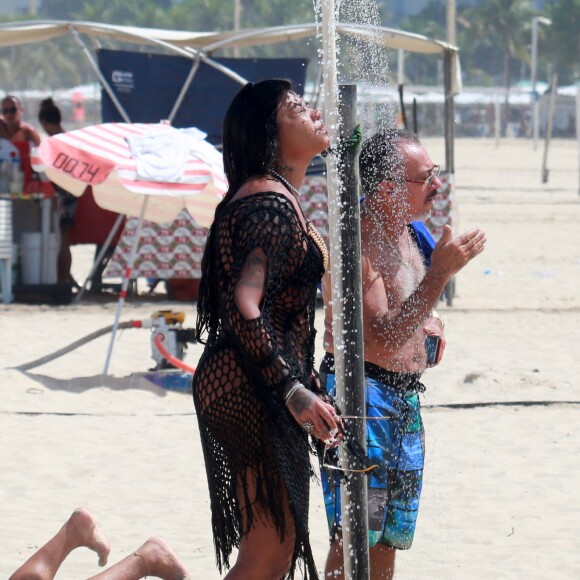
x,y
319,241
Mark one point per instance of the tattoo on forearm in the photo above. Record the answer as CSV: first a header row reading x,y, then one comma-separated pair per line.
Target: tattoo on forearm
x,y
300,402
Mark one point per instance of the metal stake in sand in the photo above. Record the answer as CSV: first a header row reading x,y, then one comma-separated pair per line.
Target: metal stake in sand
x,y
549,127
578,128
125,284
346,295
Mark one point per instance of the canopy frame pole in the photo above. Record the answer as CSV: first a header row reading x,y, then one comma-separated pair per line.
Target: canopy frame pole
x,y
359,30
220,67
189,52
101,76
184,88
449,112
45,219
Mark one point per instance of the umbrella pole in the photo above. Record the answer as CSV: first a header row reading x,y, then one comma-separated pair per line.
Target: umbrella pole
x,y
125,285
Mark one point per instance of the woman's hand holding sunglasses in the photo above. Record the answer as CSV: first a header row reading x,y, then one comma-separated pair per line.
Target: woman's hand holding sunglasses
x,y
317,417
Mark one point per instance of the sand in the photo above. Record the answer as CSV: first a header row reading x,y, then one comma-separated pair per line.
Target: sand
x,y
501,482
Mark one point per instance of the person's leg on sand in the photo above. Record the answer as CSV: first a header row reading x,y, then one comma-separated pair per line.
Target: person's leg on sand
x,y
80,530
64,260
334,561
381,562
154,558
262,554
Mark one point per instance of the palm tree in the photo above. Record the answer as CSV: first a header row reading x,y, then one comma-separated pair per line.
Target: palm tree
x,y
506,24
564,38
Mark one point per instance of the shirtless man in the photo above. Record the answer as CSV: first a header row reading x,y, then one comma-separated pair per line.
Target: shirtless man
x,y
401,285
11,125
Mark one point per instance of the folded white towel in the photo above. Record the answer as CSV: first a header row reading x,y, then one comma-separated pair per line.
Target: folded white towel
x,y
162,155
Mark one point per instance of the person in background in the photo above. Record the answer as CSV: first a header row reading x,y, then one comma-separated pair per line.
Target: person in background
x,y
402,281
256,391
153,558
50,118
20,134
12,127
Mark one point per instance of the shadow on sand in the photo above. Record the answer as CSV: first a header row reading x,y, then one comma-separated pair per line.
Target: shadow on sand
x,y
141,381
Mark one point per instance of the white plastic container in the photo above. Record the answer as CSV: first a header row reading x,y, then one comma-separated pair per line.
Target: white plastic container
x,y
5,220
31,257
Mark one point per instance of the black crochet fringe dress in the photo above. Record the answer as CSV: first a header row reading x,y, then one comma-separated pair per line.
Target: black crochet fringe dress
x,y
244,424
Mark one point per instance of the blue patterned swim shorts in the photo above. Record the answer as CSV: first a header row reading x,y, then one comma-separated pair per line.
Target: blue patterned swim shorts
x,y
397,445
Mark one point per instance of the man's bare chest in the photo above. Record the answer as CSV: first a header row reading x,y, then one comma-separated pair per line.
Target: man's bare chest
x,y
400,279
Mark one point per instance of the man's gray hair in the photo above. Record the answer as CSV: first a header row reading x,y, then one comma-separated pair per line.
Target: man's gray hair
x,y
381,158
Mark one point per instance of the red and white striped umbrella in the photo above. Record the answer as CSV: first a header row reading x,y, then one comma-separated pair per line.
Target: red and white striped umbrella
x,y
175,169
152,171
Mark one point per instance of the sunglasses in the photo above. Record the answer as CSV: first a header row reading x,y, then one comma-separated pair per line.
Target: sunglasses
x,y
9,111
360,461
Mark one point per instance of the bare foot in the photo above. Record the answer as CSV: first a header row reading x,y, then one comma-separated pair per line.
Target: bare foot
x,y
162,560
82,530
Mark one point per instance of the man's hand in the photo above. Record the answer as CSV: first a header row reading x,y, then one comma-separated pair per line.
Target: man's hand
x,y
452,254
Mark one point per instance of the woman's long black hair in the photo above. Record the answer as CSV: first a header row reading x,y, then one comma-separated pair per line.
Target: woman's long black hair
x,y
250,147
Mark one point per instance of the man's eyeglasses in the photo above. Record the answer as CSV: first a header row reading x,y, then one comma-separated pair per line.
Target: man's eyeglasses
x,y
9,111
429,181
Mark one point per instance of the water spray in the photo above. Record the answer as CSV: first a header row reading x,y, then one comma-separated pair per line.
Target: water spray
x,y
344,238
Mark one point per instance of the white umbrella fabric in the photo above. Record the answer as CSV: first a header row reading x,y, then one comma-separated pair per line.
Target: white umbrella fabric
x,y
152,171
123,162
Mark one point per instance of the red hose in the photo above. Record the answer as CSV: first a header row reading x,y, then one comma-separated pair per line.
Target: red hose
x,y
158,340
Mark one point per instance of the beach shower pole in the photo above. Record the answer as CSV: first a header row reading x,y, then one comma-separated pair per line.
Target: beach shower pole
x,y
352,395
343,208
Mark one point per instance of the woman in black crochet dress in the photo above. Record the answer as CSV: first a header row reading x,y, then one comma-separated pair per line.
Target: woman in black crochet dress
x,y
255,390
